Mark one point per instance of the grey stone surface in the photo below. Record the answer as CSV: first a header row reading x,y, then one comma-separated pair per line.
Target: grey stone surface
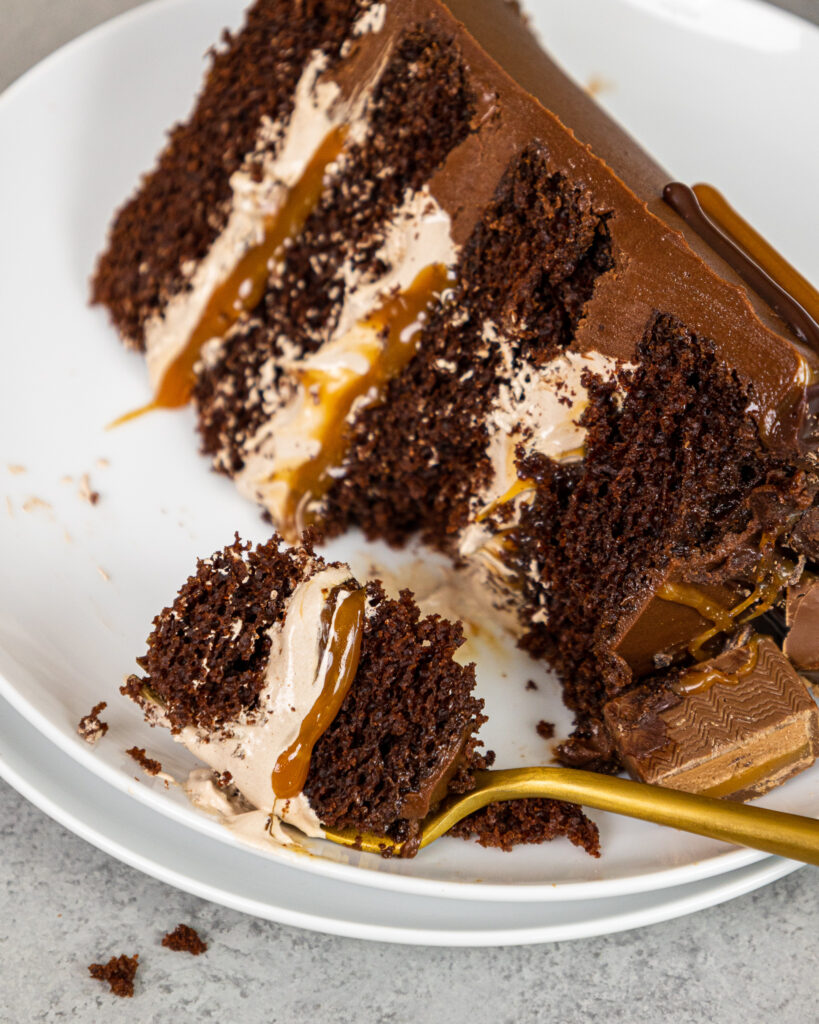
x,y
64,904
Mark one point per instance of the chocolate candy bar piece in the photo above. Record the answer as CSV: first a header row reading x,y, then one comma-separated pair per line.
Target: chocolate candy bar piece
x,y
802,617
736,726
669,620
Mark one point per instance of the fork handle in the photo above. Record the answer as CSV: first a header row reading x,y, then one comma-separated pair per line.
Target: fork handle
x,y
786,835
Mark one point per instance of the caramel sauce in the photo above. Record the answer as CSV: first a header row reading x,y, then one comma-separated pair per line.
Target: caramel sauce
x,y
388,341
244,287
133,415
701,680
520,486
757,772
685,202
759,249
341,637
693,597
771,577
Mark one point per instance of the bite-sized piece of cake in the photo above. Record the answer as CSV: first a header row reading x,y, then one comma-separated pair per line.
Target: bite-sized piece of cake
x,y
405,295
735,726
321,701
515,822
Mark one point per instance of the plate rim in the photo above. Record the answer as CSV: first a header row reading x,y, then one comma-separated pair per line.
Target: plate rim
x,y
728,886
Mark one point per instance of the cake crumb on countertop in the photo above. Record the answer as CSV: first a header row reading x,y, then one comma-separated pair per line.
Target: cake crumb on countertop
x,y
184,939
119,972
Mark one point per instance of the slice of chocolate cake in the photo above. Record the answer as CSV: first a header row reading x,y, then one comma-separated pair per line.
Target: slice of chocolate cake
x,y
416,281
317,700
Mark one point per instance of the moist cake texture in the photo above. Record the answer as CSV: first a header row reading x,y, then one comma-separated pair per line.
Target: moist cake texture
x,y
404,296
321,701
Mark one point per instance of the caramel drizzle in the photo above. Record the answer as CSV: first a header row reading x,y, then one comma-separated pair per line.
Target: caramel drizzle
x,y
520,486
717,207
701,680
244,288
757,272
771,577
755,773
394,329
340,648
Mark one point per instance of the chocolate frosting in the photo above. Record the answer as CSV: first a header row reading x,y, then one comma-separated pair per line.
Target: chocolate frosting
x,y
684,201
660,262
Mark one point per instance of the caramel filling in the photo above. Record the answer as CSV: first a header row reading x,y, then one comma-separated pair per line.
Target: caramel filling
x,y
342,627
243,289
772,575
700,680
520,486
757,772
383,343
693,597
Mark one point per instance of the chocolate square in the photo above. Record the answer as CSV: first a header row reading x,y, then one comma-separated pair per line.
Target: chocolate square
x,y
802,617
734,726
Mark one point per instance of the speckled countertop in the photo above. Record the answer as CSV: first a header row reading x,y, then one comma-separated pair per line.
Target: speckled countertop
x,y
748,961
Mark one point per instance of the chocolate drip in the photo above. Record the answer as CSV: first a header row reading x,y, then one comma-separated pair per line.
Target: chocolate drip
x,y
684,202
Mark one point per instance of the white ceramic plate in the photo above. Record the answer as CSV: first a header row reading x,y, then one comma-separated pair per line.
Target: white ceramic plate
x,y
81,583
165,850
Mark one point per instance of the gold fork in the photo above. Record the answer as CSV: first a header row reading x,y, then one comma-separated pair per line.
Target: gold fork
x,y
786,835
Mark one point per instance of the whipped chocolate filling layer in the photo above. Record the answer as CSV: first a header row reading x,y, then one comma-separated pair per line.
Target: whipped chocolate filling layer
x,y
250,747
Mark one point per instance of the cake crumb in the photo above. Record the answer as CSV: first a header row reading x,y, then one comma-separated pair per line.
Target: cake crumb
x,y
90,727
15,469
32,504
545,730
184,939
147,764
119,972
86,492
9,507
103,573
103,463
597,84
531,684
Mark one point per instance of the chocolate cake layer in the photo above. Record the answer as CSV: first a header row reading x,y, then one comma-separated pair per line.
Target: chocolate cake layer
x,y
183,204
668,477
